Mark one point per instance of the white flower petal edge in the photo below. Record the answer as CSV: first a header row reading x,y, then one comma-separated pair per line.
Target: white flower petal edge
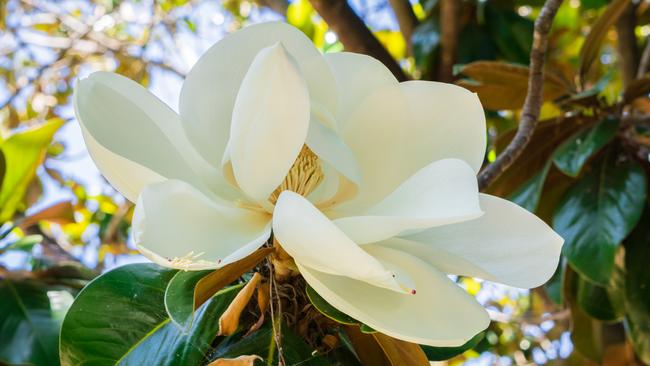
x,y
314,241
357,77
443,192
399,129
133,137
171,218
440,314
210,89
270,121
508,245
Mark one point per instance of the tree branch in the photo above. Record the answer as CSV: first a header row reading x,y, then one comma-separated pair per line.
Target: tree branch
x,y
448,39
278,6
406,19
354,34
533,102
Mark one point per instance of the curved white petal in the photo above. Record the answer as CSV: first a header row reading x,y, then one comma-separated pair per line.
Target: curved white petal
x,y
210,89
174,220
443,192
270,121
134,138
439,314
508,245
400,129
357,76
339,166
313,240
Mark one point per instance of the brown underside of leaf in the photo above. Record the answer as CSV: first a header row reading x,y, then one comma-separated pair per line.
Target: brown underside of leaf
x,y
60,213
378,349
503,86
229,320
547,137
215,281
239,361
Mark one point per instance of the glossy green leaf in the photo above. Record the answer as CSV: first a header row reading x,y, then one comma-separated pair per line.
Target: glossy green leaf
x,y
637,287
120,319
328,310
445,353
23,152
179,297
555,286
30,321
586,332
528,195
599,302
598,212
263,343
571,156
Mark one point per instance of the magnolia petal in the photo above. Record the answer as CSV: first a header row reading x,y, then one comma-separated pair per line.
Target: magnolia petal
x,y
439,314
400,129
508,245
173,220
357,76
443,192
313,240
334,153
210,89
270,121
134,138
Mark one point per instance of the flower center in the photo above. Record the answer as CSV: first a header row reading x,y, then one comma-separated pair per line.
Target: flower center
x,y
303,177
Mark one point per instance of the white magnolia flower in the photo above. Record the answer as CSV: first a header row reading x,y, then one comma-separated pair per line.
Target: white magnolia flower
x,y
369,184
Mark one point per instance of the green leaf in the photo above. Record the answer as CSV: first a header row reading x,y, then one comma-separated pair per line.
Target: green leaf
x,y
591,47
426,42
179,297
445,353
571,156
263,343
527,196
23,152
599,302
586,332
597,213
26,243
30,321
328,310
120,319
637,287
555,286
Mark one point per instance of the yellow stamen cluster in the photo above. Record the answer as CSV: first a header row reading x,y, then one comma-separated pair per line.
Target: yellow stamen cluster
x,y
303,177
188,260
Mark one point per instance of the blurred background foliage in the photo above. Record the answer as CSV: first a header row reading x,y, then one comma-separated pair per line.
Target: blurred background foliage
x,y
585,171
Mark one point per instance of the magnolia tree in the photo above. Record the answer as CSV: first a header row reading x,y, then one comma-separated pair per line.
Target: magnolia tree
x,y
310,208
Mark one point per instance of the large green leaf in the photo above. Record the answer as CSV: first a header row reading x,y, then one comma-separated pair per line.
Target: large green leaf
x,y
30,321
600,302
571,156
528,195
263,343
445,353
637,287
23,152
555,286
598,212
179,296
120,319
328,310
